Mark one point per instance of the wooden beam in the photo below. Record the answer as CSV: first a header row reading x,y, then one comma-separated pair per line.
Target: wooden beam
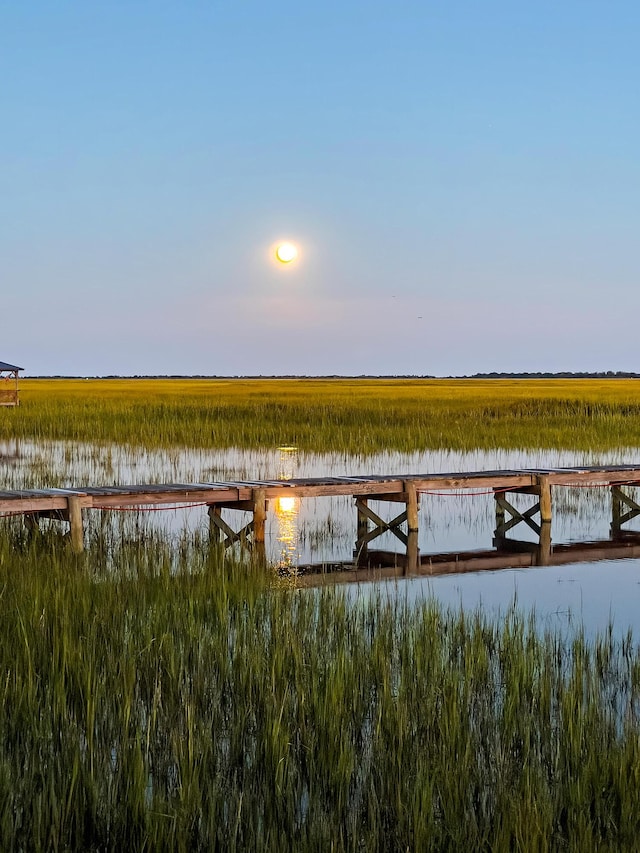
x,y
597,476
501,481
37,504
134,499
390,497
336,489
243,506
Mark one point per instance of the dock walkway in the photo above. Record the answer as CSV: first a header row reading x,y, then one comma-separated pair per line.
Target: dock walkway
x,y
69,505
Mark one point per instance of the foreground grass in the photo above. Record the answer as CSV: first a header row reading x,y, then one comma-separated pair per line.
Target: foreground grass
x,y
179,704
354,416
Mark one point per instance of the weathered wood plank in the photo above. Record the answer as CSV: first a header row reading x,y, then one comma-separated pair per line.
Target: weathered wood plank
x,y
598,477
336,490
159,498
20,505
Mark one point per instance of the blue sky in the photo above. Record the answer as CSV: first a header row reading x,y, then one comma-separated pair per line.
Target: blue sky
x,y
462,179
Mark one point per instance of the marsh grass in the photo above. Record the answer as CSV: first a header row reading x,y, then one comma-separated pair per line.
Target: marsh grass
x,y
156,698
351,416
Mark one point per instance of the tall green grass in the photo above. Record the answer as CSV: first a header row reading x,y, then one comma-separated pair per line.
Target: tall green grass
x,y
173,701
352,416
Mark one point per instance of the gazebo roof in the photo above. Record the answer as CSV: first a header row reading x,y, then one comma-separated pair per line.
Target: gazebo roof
x,y
5,366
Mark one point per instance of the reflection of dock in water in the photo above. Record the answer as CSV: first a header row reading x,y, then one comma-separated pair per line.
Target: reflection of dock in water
x,y
507,554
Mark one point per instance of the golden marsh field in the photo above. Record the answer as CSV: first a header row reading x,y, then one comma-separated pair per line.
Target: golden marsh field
x,y
348,415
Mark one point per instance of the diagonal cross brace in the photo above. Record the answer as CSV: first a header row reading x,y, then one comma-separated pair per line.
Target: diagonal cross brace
x,y
620,498
381,526
230,535
516,516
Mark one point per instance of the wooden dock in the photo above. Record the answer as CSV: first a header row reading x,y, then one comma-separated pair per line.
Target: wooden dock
x,y
253,496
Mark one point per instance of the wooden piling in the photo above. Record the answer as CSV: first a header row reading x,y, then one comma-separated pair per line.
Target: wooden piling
x,y
412,505
259,515
75,522
544,487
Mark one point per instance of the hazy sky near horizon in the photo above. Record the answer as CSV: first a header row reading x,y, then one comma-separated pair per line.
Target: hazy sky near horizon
x,y
462,180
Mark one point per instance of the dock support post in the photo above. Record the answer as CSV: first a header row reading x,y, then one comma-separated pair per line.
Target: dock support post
x,y
412,505
544,487
259,521
259,514
75,523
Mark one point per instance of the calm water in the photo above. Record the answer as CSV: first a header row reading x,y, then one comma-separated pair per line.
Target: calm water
x,y
324,530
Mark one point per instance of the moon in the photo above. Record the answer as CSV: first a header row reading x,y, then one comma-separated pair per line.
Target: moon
x,y
286,252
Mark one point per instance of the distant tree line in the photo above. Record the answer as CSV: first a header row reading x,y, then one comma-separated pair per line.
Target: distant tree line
x,y
601,374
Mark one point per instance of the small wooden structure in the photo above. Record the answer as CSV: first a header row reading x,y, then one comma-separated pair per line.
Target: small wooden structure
x,y
9,384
